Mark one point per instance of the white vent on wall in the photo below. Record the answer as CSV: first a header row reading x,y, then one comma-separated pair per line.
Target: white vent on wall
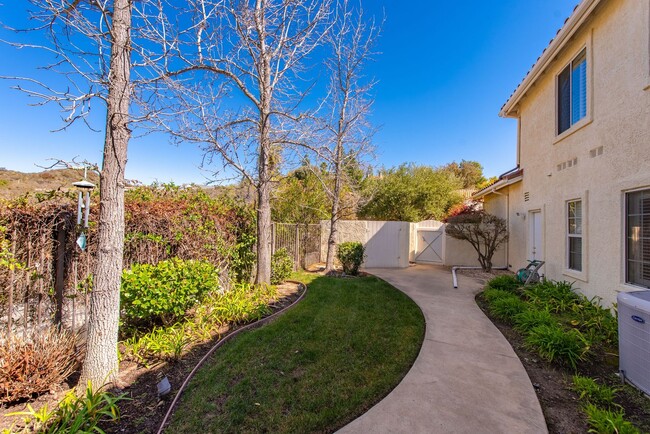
x,y
634,338
567,164
526,196
596,152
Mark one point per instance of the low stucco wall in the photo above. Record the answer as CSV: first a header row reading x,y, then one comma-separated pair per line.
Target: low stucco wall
x,y
387,243
348,230
461,253
393,244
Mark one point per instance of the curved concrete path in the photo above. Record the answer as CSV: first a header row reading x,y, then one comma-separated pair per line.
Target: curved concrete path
x,y
466,379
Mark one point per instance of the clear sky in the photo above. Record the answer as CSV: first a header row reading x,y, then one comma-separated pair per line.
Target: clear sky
x,y
445,69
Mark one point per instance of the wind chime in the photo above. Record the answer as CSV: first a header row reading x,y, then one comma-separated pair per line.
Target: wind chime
x,y
83,208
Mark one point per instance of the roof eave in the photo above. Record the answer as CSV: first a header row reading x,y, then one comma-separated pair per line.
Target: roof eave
x,y
581,13
497,186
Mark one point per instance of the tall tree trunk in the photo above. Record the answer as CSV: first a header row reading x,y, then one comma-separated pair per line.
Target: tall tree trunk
x,y
264,164
336,200
263,226
338,176
101,364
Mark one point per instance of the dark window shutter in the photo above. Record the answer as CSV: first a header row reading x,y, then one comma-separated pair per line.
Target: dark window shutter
x,y
564,101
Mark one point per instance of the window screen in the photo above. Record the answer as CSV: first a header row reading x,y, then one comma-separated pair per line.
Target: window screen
x,y
572,93
638,238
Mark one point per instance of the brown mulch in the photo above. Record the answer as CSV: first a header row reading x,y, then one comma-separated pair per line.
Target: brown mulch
x,y
560,404
144,410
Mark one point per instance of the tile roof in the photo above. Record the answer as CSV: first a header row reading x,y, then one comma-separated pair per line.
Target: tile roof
x,y
575,11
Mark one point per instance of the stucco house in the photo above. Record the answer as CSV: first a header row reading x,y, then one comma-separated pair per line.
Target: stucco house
x,y
579,197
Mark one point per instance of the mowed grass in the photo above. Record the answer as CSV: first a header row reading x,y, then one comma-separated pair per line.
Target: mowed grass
x,y
345,346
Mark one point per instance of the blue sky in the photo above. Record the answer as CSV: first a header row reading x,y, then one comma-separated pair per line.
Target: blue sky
x,y
444,71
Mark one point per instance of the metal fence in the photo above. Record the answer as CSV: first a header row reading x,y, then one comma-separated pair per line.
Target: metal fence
x,y
302,241
51,282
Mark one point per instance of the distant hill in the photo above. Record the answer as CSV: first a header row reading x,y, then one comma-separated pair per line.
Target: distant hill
x,y
15,184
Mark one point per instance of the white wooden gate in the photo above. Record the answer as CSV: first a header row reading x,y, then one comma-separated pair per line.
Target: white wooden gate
x,y
430,245
387,244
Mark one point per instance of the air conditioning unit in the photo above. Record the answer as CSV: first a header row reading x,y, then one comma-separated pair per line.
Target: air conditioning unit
x,y
634,338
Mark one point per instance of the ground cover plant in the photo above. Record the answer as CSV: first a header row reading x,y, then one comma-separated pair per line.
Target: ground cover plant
x,y
315,368
576,338
33,365
73,415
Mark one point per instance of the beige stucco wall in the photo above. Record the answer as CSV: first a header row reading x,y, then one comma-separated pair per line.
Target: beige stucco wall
x,y
617,38
387,244
461,253
348,230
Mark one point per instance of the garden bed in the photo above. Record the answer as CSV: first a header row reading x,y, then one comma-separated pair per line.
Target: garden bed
x,y
553,381
144,411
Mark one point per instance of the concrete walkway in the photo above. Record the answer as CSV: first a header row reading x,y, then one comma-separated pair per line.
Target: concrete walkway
x,y
466,379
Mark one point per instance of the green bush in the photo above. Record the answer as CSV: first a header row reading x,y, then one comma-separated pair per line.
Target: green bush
x,y
162,343
351,255
161,294
73,415
608,422
555,344
505,308
594,393
281,266
553,296
506,282
531,318
595,321
491,295
242,303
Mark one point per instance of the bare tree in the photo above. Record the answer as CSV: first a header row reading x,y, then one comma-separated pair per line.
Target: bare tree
x,y
485,232
238,76
349,101
91,45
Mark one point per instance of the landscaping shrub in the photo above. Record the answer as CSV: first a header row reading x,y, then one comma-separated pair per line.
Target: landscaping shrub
x,y
162,343
506,282
491,295
351,255
595,321
242,303
604,421
594,393
553,296
31,367
162,294
73,415
531,318
281,266
555,344
506,308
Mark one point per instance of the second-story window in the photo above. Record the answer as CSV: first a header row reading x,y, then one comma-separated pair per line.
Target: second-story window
x,y
572,93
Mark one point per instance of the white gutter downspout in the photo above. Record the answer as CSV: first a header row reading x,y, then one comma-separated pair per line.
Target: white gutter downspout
x,y
455,279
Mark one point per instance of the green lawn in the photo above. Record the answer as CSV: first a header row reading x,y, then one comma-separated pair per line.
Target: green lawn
x,y
346,345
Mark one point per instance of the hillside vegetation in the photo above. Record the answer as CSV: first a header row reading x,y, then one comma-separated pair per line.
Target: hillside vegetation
x,y
14,184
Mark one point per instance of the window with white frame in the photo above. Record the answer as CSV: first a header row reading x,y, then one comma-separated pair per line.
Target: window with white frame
x,y
572,93
637,228
574,235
